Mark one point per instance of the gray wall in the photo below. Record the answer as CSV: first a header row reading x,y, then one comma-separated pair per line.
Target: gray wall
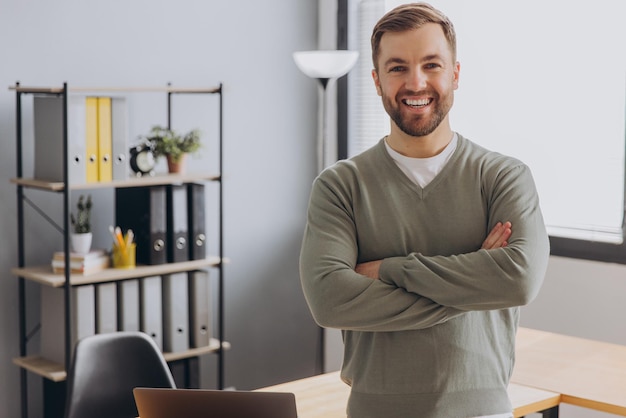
x,y
583,299
269,127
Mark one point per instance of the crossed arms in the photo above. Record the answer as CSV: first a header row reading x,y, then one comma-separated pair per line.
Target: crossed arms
x,y
497,238
416,291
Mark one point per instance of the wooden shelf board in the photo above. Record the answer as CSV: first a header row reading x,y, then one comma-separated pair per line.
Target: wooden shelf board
x,y
56,372
159,179
155,89
214,346
44,274
43,367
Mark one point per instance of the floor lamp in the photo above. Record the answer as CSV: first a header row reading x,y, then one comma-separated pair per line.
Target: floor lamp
x,y
324,66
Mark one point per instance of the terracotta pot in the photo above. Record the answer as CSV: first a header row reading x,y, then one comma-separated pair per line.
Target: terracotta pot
x,y
178,166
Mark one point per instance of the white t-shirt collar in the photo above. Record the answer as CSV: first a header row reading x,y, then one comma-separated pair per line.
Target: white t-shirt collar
x,y
423,170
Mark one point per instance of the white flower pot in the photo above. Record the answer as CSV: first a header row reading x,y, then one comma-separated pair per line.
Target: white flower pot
x,y
81,243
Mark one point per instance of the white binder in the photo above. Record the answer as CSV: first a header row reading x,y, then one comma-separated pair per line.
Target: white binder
x,y
175,313
128,305
83,319
177,233
199,309
48,132
151,318
106,307
119,134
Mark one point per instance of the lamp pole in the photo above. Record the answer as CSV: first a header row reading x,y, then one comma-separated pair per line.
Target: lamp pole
x,y
322,140
324,66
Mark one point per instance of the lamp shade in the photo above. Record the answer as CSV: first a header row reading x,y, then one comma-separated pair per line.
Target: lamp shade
x,y
325,64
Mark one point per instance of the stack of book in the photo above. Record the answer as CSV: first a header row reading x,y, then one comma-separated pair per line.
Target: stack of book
x,y
92,262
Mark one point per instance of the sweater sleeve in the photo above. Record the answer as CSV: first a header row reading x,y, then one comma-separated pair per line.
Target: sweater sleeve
x,y
337,296
485,279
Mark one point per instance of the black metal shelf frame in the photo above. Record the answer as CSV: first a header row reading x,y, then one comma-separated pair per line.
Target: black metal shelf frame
x,y
25,336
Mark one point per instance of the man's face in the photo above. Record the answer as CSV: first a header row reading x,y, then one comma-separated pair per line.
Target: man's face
x,y
416,78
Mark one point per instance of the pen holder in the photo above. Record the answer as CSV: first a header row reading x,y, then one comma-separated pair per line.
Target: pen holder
x,y
124,258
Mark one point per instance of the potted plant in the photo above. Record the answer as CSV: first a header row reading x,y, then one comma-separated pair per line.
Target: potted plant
x,y
174,146
81,237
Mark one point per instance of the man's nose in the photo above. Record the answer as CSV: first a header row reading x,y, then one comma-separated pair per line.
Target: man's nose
x,y
416,80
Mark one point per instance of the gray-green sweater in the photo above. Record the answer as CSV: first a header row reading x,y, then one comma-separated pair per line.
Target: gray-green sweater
x,y
435,336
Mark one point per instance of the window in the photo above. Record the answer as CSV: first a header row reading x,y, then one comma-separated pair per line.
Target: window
x,y
542,81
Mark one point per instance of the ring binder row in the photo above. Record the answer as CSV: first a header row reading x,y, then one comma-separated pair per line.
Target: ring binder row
x,y
174,309
168,221
97,140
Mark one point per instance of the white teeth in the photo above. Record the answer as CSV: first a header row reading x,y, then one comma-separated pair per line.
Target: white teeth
x,y
420,102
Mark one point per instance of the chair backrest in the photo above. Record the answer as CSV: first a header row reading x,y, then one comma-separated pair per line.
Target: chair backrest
x,y
105,369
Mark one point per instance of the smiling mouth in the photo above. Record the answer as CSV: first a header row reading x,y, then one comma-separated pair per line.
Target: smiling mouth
x,y
417,103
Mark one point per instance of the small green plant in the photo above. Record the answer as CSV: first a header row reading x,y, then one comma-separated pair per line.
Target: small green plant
x,y
82,221
166,142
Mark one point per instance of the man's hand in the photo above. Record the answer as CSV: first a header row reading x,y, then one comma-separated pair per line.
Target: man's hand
x,y
369,269
498,237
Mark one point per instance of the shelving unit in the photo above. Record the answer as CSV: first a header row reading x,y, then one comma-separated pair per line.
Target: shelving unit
x,y
53,372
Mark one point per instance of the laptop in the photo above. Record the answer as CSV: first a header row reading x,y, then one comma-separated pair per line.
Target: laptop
x,y
206,403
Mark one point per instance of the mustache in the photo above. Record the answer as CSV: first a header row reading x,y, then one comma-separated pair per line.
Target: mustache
x,y
429,93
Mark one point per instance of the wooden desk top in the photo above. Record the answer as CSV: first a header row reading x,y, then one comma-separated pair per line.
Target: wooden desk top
x,y
326,396
321,396
586,373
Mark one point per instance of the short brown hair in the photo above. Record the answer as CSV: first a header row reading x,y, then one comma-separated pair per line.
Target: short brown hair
x,y
408,17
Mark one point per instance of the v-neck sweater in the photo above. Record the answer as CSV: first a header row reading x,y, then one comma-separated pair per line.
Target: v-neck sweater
x,y
434,337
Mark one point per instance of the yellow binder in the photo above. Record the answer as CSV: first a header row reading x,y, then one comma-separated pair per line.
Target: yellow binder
x,y
91,139
105,140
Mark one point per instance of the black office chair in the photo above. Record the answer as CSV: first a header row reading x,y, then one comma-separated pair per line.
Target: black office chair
x,y
105,369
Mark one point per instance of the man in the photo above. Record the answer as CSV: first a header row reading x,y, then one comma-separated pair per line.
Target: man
x,y
422,248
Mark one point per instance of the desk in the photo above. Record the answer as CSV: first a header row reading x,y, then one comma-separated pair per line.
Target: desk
x,y
586,373
326,396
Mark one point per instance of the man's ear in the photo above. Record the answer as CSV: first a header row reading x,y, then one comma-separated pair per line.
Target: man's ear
x,y
376,82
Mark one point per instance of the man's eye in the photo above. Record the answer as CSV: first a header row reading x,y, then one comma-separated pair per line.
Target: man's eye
x,y
396,69
432,66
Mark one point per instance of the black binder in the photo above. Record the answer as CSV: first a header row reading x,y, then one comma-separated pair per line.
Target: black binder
x,y
197,225
177,224
143,209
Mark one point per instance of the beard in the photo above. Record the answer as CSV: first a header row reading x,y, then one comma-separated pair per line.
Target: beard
x,y
418,125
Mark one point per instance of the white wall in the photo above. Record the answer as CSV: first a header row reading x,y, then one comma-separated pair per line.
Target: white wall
x,y
269,128
583,299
